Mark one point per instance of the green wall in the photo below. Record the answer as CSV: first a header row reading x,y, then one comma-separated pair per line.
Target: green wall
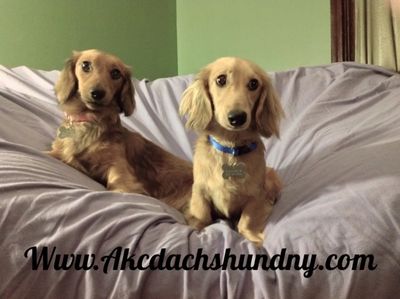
x,y
161,38
42,33
277,34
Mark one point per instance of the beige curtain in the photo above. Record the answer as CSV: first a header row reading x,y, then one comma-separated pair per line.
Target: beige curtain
x,y
377,29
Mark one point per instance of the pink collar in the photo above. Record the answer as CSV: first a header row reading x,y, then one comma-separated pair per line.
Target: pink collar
x,y
80,117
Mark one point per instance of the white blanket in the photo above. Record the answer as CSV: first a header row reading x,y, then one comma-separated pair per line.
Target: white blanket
x,y
338,157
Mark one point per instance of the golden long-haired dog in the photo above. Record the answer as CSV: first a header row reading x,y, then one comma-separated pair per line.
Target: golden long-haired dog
x,y
93,89
231,103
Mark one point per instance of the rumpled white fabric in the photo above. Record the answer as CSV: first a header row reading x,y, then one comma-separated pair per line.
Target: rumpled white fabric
x,y
338,157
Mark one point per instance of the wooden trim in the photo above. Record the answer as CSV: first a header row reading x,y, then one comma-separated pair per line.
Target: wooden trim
x,y
342,30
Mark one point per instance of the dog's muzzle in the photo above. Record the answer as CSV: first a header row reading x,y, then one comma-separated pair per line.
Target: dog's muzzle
x,y
237,118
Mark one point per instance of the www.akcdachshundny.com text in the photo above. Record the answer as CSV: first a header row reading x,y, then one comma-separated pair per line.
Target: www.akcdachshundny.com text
x,y
119,258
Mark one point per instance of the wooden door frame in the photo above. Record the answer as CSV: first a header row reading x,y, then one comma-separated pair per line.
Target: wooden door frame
x,y
342,30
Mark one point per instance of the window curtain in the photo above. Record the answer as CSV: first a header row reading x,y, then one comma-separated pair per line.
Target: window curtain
x,y
377,29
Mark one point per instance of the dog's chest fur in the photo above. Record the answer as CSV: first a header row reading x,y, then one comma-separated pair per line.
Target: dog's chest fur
x,y
228,194
80,145
77,136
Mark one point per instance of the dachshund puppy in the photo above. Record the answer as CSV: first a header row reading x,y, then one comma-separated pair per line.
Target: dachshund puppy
x,y
93,89
230,104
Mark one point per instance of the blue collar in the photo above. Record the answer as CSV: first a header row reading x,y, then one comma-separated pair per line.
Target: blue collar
x,y
235,151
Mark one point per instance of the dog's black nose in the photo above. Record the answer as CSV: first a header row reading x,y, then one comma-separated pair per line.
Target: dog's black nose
x,y
237,118
97,94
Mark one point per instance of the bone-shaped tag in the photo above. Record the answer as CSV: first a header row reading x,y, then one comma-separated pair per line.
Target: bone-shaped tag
x,y
236,170
64,132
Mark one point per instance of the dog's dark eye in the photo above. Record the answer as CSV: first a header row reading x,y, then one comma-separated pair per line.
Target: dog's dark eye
x,y
221,80
86,66
253,84
115,74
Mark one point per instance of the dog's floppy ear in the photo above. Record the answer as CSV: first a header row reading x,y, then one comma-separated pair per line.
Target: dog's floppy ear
x,y
67,83
127,98
196,103
269,111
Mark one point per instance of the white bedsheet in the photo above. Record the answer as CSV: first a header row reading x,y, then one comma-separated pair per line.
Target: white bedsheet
x,y
338,157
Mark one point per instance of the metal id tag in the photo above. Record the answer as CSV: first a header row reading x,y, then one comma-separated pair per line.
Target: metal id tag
x,y
64,132
236,170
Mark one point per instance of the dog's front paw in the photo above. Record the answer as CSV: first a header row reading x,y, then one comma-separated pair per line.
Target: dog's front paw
x,y
52,153
195,222
131,188
140,190
272,185
256,237
135,190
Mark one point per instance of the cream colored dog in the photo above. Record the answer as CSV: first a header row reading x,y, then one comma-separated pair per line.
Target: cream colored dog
x,y
232,103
